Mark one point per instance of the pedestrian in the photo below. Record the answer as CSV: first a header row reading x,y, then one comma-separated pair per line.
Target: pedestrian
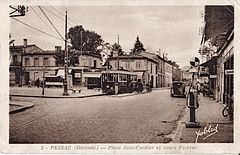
x,y
38,82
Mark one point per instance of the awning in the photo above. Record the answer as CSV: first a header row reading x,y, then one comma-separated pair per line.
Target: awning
x,y
92,75
61,72
211,64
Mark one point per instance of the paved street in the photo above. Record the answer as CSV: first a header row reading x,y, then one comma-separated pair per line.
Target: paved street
x,y
148,118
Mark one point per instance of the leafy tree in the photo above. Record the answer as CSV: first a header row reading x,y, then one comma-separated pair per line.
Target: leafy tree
x,y
116,47
90,40
138,47
73,57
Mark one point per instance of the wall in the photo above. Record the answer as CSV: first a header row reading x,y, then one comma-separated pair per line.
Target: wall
x,y
168,75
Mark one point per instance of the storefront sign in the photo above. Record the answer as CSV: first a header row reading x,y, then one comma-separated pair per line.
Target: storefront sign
x,y
213,76
229,72
77,75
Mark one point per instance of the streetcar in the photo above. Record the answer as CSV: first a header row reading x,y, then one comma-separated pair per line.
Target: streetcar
x,y
53,81
114,82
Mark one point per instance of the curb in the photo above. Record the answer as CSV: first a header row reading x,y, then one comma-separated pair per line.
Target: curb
x,y
41,96
129,94
21,108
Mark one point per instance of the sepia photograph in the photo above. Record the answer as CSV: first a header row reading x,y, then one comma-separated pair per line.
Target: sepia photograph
x,y
126,75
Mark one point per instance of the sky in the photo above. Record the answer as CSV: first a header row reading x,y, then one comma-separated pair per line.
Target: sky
x,y
173,29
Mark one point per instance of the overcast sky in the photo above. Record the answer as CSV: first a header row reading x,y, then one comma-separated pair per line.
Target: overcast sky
x,y
173,29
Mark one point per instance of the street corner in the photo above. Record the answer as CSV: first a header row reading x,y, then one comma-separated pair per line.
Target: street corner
x,y
17,106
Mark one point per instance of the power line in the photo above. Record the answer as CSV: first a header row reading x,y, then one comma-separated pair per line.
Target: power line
x,y
37,29
63,14
56,14
40,17
51,23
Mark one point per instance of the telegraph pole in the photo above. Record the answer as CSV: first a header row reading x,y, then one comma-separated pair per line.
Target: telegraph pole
x,y
81,49
65,88
118,52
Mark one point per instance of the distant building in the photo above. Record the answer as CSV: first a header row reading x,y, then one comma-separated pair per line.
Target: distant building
x,y
168,74
145,64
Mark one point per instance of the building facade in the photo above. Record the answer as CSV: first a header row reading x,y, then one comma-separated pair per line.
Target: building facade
x,y
219,51
144,64
28,63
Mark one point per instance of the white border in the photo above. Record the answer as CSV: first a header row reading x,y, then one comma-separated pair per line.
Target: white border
x,y
36,148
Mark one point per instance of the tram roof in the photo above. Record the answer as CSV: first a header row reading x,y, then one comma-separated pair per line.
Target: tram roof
x,y
119,72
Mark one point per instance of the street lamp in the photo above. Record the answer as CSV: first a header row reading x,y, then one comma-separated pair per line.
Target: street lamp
x,y
65,89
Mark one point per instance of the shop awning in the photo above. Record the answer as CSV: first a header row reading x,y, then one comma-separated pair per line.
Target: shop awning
x,y
61,72
212,65
92,75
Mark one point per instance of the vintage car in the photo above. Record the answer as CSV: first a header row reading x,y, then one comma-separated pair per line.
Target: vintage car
x,y
178,89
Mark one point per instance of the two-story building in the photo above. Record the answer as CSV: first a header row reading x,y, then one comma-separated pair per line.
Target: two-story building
x,y
28,63
145,64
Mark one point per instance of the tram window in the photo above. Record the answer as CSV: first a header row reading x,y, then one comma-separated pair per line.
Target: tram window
x,y
122,77
134,78
110,78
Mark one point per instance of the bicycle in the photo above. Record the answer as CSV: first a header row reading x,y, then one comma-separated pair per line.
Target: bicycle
x,y
228,109
225,111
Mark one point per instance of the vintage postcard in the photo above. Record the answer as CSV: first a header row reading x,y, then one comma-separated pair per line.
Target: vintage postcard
x,y
119,77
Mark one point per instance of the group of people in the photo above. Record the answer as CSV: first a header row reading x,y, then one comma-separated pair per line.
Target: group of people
x,y
140,86
203,88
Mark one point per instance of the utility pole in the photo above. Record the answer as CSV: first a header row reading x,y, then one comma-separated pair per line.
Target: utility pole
x,y
65,88
43,86
118,51
81,49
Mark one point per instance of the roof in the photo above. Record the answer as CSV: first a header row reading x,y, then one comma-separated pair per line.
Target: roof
x,y
142,55
219,24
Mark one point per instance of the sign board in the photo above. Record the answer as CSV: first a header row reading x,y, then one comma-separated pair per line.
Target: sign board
x,y
195,62
213,76
229,72
78,75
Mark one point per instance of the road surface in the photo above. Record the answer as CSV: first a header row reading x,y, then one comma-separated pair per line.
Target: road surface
x,y
143,118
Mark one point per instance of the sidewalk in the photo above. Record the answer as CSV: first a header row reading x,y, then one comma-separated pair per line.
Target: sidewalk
x,y
53,92
214,127
17,106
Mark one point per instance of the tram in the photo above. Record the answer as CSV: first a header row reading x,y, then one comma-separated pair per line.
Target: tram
x,y
114,82
53,81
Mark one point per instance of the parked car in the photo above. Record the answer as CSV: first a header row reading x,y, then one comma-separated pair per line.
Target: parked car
x,y
178,89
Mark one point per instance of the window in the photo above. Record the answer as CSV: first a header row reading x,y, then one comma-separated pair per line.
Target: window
x,y
45,62
36,61
110,77
122,77
138,64
27,63
94,63
116,65
14,59
151,69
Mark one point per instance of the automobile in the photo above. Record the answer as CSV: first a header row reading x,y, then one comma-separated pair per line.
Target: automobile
x,y
178,89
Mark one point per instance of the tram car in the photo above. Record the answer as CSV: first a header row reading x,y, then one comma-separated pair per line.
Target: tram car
x,y
115,82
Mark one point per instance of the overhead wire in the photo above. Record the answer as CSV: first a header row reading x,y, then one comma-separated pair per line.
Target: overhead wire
x,y
63,14
51,23
40,18
37,29
57,15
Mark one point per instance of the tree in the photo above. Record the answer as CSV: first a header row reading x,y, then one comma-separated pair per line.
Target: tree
x,y
138,47
89,40
116,47
73,57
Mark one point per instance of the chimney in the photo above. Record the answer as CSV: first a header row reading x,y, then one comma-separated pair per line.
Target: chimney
x,y
58,48
24,42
